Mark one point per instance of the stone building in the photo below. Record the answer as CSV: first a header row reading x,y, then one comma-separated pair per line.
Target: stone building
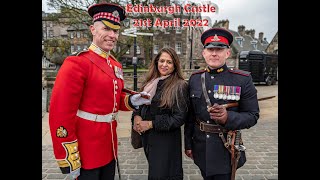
x,y
77,34
79,37
273,46
51,28
186,41
244,40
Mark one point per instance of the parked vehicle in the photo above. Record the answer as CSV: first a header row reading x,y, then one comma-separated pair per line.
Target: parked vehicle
x,y
263,66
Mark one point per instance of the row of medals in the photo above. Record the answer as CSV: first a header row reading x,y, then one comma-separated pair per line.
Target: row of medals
x,y
223,92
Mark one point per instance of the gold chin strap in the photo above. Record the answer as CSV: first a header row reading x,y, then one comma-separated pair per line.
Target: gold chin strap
x,y
107,23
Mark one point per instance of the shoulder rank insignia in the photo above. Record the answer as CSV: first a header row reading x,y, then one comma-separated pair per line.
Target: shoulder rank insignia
x,y
62,132
199,72
77,53
238,71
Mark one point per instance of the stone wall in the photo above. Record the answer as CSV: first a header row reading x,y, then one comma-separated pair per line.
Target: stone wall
x,y
128,79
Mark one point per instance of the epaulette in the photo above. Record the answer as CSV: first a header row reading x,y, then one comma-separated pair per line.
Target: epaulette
x,y
199,72
239,71
77,53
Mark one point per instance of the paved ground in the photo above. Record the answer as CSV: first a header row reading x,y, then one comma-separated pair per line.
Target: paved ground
x,y
261,142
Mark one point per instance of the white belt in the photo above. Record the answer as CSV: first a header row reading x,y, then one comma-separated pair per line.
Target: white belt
x,y
96,117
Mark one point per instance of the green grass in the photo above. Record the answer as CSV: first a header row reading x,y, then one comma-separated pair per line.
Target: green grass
x,y
138,70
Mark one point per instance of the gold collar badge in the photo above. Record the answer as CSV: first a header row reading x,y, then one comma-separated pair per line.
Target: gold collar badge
x,y
220,70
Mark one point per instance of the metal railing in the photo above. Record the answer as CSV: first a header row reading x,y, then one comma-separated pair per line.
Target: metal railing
x,y
47,65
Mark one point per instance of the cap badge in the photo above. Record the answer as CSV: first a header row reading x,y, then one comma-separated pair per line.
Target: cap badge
x,y
215,38
115,13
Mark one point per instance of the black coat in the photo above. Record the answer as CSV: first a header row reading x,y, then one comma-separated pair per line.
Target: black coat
x,y
208,150
162,144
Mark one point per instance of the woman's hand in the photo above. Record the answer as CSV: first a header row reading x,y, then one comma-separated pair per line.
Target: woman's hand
x,y
136,122
144,126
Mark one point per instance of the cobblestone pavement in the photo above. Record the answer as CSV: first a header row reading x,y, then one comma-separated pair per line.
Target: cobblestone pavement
x,y
261,142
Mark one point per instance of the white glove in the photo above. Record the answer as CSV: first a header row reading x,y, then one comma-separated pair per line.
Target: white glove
x,y
137,100
74,174
145,93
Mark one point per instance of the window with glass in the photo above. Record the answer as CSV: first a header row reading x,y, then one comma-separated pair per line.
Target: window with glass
x,y
254,44
178,47
166,44
50,33
239,41
138,50
178,30
72,48
155,49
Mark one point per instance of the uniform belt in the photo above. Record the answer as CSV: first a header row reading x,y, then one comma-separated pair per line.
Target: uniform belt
x,y
96,117
211,128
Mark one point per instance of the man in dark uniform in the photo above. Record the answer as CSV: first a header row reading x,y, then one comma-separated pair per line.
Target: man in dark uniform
x,y
211,91
85,101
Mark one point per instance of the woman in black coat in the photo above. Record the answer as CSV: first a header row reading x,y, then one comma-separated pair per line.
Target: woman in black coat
x,y
160,122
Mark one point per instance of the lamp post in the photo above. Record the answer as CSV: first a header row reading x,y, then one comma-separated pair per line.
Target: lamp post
x,y
191,43
126,23
135,62
132,32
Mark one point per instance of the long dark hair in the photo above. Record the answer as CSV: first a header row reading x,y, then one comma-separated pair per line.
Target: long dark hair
x,y
174,86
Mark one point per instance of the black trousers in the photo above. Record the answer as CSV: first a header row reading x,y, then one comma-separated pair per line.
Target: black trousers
x,y
105,172
216,177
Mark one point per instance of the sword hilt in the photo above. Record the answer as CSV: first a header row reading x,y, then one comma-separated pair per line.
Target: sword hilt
x,y
237,144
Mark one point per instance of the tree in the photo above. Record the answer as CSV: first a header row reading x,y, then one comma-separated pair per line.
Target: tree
x,y
76,13
56,50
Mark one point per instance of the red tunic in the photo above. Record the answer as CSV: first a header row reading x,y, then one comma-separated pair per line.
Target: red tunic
x,y
91,83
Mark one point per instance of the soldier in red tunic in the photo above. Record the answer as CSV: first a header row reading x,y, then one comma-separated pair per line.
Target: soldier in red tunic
x,y
85,101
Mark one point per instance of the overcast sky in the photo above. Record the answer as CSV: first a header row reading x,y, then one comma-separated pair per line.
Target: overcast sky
x,y
260,15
